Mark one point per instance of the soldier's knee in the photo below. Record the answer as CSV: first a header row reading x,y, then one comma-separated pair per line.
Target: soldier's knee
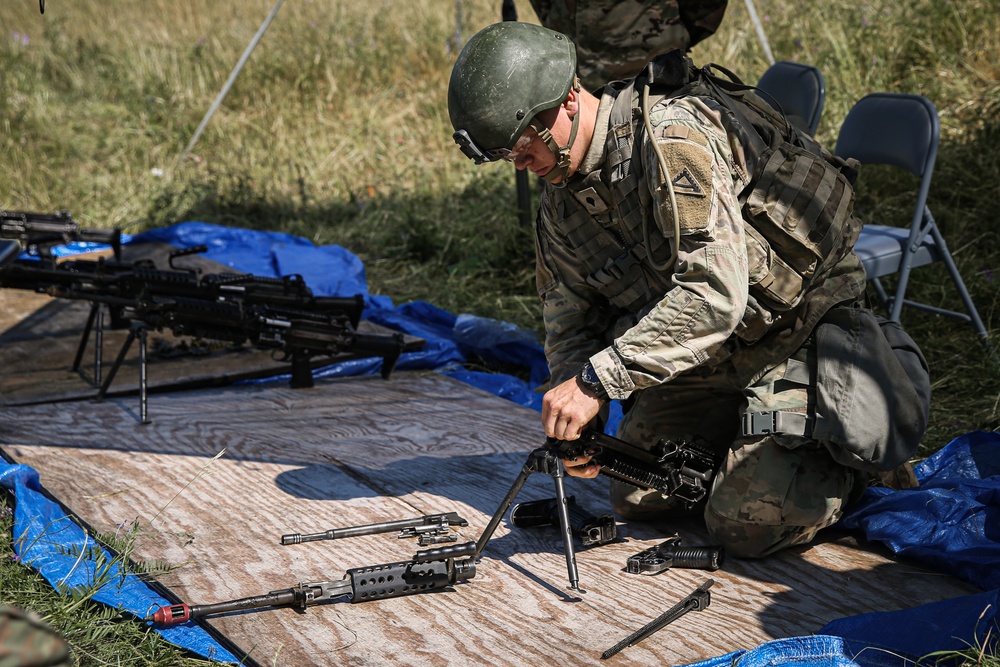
x,y
630,502
744,539
775,493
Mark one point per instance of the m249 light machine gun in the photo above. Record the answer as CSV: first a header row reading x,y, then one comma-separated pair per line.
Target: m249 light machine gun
x,y
677,469
429,570
38,233
280,314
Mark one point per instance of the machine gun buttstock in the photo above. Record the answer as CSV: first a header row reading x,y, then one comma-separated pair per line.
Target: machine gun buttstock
x,y
388,346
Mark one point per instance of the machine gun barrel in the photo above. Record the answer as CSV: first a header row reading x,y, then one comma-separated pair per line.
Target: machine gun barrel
x,y
450,519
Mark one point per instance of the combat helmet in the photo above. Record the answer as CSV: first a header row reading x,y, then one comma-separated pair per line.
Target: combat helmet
x,y
505,75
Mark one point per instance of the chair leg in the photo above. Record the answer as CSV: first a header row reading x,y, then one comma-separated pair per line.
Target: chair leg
x,y
883,296
899,298
956,277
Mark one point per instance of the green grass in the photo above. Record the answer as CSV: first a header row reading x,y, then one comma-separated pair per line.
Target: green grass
x,y
337,130
97,634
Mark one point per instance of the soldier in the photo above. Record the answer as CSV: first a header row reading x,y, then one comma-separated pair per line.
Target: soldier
x,y
614,38
683,276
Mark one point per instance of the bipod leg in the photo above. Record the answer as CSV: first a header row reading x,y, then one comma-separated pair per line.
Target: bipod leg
x,y
95,322
558,476
118,362
540,460
143,392
530,466
138,330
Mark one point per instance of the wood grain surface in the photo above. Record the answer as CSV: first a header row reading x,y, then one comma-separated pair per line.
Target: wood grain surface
x,y
362,450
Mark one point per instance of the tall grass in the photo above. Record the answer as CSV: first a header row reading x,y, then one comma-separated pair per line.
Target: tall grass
x,y
337,130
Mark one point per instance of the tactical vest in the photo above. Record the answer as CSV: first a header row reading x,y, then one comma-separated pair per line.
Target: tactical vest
x,y
798,202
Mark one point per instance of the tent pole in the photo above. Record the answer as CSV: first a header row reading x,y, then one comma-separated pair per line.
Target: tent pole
x,y
760,32
232,78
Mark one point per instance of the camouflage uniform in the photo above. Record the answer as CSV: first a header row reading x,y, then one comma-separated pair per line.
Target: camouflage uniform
x,y
615,38
697,352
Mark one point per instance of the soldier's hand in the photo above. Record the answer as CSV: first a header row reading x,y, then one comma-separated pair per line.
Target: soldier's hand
x,y
581,466
567,409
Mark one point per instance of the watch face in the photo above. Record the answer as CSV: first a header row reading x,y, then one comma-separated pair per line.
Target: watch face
x,y
589,376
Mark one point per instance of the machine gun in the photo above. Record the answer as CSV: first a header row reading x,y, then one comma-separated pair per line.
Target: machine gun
x,y
678,469
38,233
280,314
428,570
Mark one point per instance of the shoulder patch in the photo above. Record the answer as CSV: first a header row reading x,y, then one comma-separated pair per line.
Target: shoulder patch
x,y
685,183
689,163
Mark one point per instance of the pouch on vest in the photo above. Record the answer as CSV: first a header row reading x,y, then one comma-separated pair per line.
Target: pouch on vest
x,y
800,197
873,390
802,205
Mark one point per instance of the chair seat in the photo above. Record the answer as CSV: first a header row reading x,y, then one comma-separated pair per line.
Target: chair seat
x,y
880,249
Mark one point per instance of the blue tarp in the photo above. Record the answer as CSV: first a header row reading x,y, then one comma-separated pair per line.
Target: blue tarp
x,y
951,523
48,540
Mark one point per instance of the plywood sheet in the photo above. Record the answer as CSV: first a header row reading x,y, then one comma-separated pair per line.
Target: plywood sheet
x,y
362,450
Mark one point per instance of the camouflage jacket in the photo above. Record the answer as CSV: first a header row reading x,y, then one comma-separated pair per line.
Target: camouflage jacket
x,y
699,315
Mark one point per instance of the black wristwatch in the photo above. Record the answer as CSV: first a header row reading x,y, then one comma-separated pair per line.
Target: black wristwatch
x,y
588,378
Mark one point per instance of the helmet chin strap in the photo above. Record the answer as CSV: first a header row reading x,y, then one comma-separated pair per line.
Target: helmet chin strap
x,y
560,172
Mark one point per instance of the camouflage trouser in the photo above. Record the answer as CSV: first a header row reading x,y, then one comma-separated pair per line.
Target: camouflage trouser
x,y
772,491
27,642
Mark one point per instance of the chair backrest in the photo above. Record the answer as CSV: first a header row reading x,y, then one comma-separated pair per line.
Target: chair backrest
x,y
795,90
896,129
892,128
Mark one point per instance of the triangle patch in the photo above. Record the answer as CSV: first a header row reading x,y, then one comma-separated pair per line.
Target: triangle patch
x,y
685,184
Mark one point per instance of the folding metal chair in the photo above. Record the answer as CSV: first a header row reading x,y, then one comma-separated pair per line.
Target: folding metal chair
x,y
796,90
902,131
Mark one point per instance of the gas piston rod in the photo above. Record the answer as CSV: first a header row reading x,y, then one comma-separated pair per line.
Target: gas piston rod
x,y
407,528
696,601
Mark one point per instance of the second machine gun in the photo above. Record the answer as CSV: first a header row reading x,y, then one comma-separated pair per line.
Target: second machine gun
x,y
280,314
38,233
